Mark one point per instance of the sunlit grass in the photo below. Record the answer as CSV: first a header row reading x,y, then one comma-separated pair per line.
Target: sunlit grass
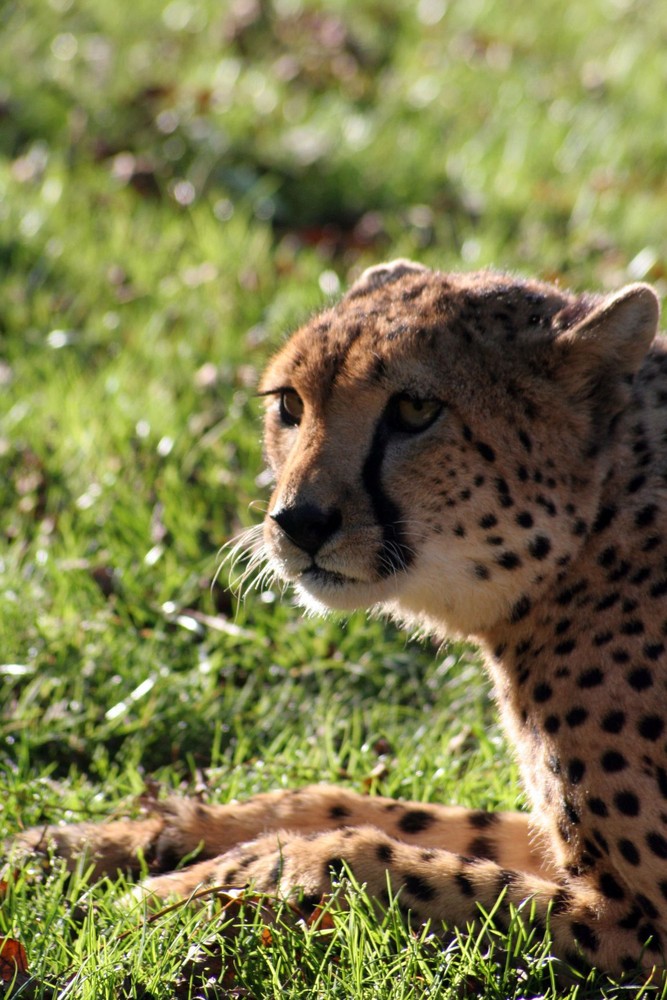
x,y
180,185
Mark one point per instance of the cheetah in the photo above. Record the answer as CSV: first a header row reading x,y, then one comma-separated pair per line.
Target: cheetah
x,y
473,455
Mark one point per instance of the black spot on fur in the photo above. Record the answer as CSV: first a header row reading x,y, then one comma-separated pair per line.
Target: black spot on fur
x,y
568,595
542,693
521,609
602,841
419,888
483,847
632,627
576,770
576,716
598,807
585,936
619,572
661,775
607,557
592,849
627,803
339,812
613,722
636,483
613,761
647,905
651,727
649,937
640,679
610,888
385,853
605,516
590,678
526,441
646,516
508,560
416,821
652,542
540,547
481,819
657,844
548,505
465,885
504,498
631,919
486,451
608,601
659,589
629,851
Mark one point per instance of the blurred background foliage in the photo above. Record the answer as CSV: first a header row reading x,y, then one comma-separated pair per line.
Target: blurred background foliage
x,y
490,129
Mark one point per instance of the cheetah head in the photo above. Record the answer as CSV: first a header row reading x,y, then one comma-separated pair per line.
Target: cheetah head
x,y
439,441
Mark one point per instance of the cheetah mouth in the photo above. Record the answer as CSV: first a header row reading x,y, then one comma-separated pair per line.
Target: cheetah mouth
x,y
326,577
328,589
324,590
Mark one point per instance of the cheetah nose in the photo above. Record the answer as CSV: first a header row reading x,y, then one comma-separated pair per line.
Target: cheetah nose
x,y
307,525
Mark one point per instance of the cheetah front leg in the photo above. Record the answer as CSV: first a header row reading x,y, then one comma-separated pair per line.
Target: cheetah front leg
x,y
182,827
507,838
431,885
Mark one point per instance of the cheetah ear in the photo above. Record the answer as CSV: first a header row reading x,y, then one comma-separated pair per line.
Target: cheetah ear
x,y
614,337
383,274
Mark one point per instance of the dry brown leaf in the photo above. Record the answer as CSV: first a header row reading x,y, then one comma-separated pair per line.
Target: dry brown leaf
x,y
13,959
321,919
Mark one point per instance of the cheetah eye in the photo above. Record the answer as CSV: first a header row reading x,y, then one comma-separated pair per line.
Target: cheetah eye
x,y
411,414
291,407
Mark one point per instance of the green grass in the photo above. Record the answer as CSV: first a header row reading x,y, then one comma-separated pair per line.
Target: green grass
x,y
180,184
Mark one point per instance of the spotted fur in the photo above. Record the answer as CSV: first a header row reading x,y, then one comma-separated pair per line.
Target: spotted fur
x,y
482,456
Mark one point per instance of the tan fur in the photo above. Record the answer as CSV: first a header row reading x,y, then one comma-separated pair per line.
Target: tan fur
x,y
531,513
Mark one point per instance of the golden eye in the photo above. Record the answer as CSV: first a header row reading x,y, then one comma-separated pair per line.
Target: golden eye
x,y
291,407
411,414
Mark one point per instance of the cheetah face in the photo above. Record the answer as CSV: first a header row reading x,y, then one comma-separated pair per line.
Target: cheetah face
x,y
338,525
436,449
